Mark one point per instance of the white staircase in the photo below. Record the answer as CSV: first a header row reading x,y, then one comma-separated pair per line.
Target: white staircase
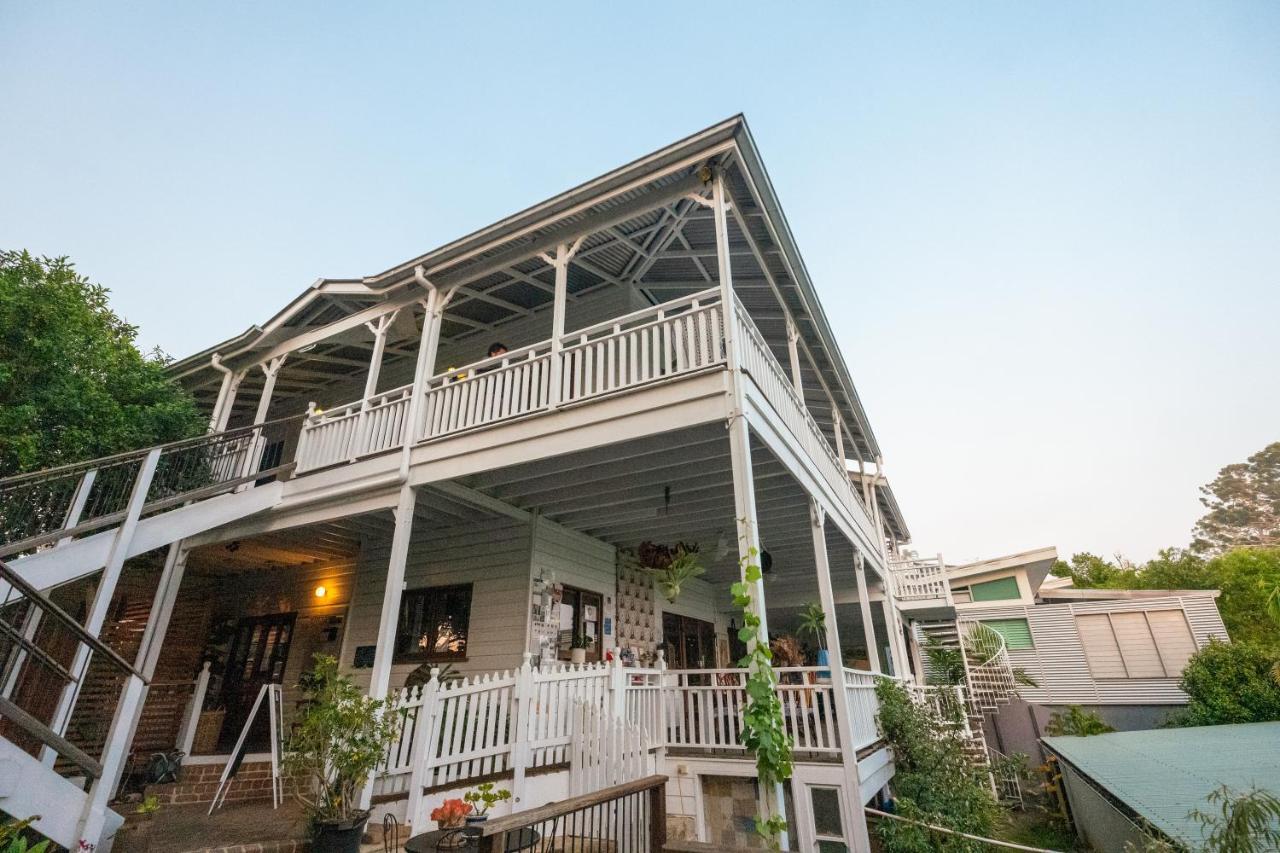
x,y
989,685
69,522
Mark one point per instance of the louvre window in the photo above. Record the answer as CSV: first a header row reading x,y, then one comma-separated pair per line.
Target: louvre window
x,y
1016,632
1143,644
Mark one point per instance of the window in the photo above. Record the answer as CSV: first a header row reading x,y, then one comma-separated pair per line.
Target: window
x,y
1142,644
1004,589
1016,632
433,624
827,826
581,613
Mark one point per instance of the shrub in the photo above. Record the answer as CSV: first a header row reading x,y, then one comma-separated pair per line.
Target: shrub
x,y
1229,683
1076,721
934,781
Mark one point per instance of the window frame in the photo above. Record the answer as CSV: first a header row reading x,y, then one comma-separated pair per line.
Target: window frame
x,y
594,652
439,592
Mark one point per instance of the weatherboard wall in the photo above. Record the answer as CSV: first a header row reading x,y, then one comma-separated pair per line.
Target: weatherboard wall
x,y
1058,663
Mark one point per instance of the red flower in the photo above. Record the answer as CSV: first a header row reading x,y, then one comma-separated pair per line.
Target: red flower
x,y
451,812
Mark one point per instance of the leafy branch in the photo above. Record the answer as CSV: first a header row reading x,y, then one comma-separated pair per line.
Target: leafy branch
x,y
763,727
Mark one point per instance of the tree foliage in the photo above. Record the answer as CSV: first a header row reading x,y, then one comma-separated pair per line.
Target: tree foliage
x,y
1229,683
934,781
1240,821
1244,505
73,385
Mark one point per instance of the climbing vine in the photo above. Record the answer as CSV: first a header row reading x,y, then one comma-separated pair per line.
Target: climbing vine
x,y
763,728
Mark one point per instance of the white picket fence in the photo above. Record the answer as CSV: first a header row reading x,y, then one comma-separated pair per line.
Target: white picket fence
x,y
605,750
509,723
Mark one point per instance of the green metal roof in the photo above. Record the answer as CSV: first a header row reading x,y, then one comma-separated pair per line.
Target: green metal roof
x,y
1162,774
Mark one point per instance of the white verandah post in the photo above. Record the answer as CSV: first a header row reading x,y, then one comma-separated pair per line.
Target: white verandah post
x,y
854,818
864,605
102,596
124,724
744,498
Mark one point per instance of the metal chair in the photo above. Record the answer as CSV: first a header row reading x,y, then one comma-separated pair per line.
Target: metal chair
x,y
390,833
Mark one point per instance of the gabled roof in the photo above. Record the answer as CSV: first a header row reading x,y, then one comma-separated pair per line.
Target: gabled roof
x,y
499,269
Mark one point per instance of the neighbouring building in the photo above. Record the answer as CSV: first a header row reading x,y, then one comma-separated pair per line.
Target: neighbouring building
x,y
1119,653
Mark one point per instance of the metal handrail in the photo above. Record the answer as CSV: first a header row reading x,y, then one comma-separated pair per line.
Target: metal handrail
x,y
51,610
101,461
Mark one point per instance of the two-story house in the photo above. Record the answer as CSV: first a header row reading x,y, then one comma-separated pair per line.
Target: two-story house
x,y
460,463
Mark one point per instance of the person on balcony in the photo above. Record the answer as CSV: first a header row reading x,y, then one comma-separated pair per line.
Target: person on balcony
x,y
496,349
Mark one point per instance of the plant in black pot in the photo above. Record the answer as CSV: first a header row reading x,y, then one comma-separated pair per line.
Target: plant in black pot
x,y
338,740
484,797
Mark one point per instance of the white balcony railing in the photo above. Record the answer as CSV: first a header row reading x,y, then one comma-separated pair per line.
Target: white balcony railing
x,y
916,579
355,430
656,344
776,386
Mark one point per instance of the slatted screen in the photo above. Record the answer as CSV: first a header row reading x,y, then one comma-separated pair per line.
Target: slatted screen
x,y
1145,644
1100,646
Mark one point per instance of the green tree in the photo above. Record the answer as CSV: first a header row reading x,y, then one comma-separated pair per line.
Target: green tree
x,y
1089,571
1248,578
1229,683
73,385
1244,505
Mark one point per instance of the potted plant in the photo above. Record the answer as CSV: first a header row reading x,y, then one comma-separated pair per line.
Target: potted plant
x,y
813,622
339,738
578,649
484,797
450,815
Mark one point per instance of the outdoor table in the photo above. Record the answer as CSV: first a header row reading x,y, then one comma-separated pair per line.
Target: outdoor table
x,y
521,839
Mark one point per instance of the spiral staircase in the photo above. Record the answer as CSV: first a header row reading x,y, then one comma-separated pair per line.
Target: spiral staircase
x,y
989,684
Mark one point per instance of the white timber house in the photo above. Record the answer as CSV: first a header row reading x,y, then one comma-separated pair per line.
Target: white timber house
x,y
383,484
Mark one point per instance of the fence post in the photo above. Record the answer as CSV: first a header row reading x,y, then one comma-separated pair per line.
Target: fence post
x,y
522,696
658,818
187,735
661,735
618,686
422,751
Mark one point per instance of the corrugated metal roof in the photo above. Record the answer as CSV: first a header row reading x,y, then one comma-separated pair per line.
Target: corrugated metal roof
x,y
1163,774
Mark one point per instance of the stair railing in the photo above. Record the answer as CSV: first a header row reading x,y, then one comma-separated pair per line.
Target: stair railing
x,y
56,504
36,662
991,679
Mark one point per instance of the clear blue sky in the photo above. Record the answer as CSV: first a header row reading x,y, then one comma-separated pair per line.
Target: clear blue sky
x,y
1047,234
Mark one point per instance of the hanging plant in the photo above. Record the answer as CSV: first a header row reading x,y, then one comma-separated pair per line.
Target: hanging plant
x,y
671,565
